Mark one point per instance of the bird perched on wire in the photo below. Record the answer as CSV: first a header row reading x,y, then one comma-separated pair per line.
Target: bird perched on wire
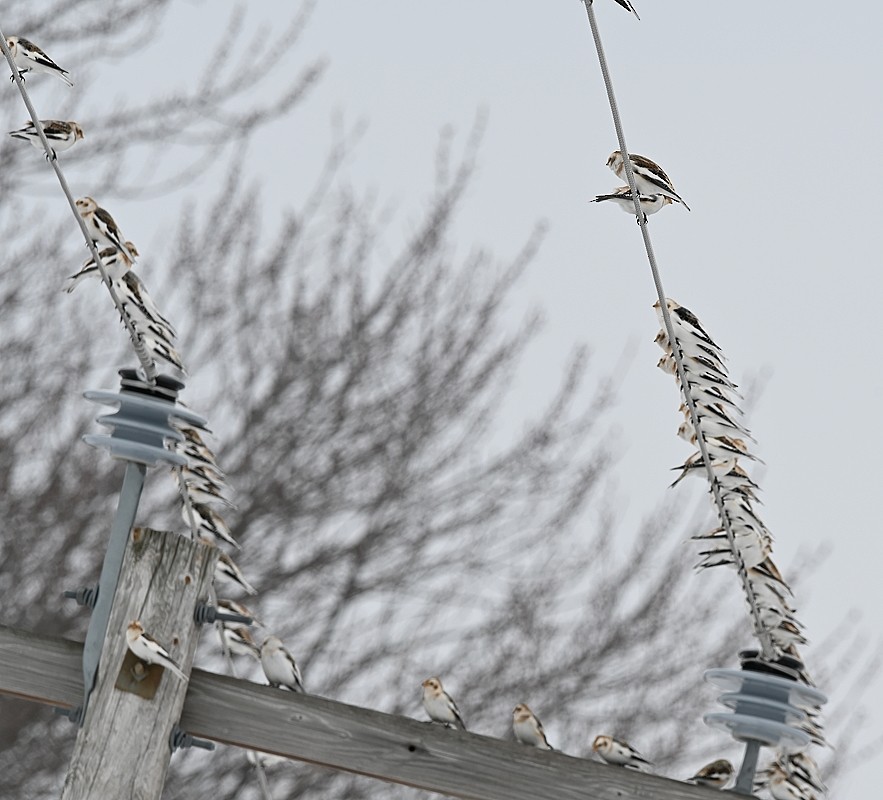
x,y
783,785
649,176
440,706
61,135
30,58
528,729
650,203
145,647
615,751
717,774
232,607
239,640
116,262
208,521
226,569
279,666
101,226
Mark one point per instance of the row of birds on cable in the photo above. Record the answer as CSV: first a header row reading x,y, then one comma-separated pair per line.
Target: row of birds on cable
x,y
716,399
727,441
202,483
116,253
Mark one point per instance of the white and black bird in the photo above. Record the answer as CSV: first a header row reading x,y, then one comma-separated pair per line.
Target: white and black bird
x,y
528,729
30,58
440,706
208,521
622,197
615,751
649,176
145,647
239,641
226,569
61,135
717,774
232,607
101,226
279,666
116,263
783,785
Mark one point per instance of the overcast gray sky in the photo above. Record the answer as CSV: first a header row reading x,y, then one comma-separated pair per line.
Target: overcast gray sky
x,y
768,119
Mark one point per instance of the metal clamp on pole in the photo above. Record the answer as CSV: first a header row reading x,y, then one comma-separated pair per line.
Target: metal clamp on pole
x,y
140,428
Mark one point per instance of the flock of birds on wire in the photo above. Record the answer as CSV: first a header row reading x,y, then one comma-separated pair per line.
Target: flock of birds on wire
x,y
202,482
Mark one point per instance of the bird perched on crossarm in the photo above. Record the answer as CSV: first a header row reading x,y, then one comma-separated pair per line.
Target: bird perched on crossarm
x,y
717,774
615,751
440,706
528,729
279,666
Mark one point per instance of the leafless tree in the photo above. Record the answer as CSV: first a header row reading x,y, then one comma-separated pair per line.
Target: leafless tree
x,y
394,528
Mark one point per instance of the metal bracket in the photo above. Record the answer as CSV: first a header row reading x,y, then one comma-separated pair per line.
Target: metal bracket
x,y
179,739
140,428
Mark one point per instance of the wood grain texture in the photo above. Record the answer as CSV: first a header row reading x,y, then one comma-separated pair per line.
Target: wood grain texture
x,y
339,736
122,749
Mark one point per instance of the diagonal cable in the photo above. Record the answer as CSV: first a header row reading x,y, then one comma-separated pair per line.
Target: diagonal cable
x,y
147,363
763,635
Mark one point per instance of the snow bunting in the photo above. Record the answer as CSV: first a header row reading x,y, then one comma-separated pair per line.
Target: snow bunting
x,y
226,569
30,58
440,706
279,666
102,229
60,135
145,647
717,774
116,264
614,751
209,521
804,767
239,641
159,348
232,607
139,306
649,176
528,729
650,203
785,786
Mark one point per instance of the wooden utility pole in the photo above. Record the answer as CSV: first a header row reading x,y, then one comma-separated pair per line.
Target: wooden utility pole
x,y
344,737
124,742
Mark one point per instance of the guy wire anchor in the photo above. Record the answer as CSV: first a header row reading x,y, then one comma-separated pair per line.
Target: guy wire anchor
x,y
139,431
767,700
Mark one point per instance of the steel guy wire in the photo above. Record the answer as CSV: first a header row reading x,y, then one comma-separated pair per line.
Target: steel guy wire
x,y
147,363
763,635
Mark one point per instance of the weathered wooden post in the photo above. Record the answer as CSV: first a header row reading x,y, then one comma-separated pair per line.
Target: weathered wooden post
x,y
123,748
